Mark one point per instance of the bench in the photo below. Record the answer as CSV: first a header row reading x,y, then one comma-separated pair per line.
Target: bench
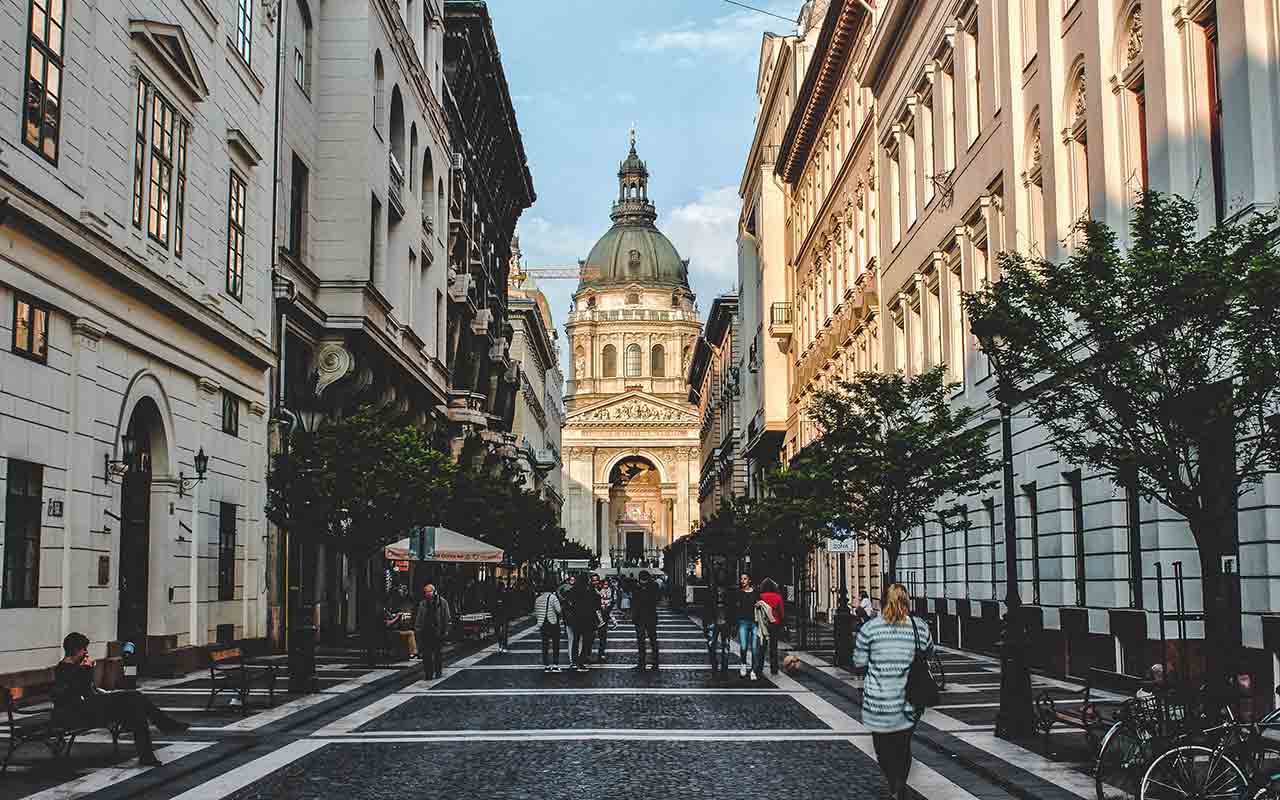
x,y
479,624
1080,708
230,670
29,709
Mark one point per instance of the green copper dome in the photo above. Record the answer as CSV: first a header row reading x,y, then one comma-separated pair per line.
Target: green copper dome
x,y
634,250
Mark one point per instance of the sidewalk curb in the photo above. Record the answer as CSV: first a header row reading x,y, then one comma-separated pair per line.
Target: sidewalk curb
x,y
234,745
995,777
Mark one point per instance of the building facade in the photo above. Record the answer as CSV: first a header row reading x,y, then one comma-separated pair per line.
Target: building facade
x,y
135,290
539,412
997,126
714,387
631,436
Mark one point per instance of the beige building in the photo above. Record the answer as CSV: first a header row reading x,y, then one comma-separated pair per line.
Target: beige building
x,y
715,388
135,293
929,137
539,411
631,436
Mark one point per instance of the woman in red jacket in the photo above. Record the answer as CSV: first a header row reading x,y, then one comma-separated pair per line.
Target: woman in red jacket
x,y
769,594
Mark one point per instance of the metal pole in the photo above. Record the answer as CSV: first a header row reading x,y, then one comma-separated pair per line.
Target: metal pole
x,y
843,624
1015,718
1164,639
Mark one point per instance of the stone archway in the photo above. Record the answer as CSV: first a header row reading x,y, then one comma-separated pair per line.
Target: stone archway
x,y
635,517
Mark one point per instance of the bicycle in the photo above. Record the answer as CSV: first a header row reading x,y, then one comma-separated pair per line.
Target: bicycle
x,y
1243,764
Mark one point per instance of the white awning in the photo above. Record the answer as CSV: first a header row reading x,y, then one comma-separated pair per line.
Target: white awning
x,y
442,544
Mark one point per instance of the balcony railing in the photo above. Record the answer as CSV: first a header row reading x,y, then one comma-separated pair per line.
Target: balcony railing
x,y
395,186
780,320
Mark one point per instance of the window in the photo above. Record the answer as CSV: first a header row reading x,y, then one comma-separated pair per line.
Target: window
x,y
1213,99
964,549
139,152
24,509
949,113
42,109
990,506
1134,101
1075,485
299,179
895,198
162,126
609,359
244,28
230,413
180,189
226,551
30,329
915,330
899,341
933,318
973,80
375,224
658,361
927,147
1035,190
379,84
1078,146
909,171
956,324
302,52
1033,517
1030,8
633,361
235,238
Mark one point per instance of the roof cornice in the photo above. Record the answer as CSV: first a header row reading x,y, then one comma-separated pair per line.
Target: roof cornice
x,y
834,47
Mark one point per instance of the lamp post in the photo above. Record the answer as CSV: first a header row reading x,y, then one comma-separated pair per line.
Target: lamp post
x,y
1015,718
842,623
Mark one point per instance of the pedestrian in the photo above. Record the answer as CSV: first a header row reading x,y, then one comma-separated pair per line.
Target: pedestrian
x,y
606,608
715,624
503,606
865,609
744,618
644,612
567,618
547,610
583,606
886,647
770,595
78,703
628,592
430,627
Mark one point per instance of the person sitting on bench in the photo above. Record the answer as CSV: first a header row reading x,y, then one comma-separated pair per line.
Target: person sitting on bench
x,y
77,702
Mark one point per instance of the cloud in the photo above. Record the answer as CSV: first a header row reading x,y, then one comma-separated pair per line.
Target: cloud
x,y
705,231
738,33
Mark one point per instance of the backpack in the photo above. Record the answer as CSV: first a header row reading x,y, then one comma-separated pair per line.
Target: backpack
x,y
922,689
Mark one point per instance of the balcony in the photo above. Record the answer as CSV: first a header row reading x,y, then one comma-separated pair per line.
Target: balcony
x,y
544,458
480,325
395,187
460,286
780,325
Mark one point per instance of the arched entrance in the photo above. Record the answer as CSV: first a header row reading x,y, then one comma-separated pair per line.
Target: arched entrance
x,y
635,509
146,435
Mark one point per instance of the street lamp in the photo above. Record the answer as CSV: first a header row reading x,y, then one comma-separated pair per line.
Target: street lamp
x,y
843,622
1015,718
118,469
185,484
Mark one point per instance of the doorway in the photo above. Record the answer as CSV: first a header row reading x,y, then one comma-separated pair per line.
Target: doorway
x,y
135,528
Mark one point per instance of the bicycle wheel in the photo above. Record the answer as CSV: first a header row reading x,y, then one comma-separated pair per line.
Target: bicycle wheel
x,y
1192,772
936,670
1122,758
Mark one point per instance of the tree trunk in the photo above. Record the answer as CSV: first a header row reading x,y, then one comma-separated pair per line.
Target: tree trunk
x,y
372,627
893,553
1222,606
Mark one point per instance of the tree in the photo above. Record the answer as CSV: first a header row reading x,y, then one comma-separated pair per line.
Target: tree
x,y
356,485
1157,364
891,448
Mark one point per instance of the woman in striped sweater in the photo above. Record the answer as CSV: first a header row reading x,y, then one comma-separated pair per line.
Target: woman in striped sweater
x,y
885,647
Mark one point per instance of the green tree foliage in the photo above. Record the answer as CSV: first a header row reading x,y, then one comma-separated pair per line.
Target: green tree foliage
x,y
492,506
891,448
1157,363
358,484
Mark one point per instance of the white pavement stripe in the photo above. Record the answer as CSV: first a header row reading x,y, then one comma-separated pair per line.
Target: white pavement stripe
x,y
593,666
636,735
109,776
263,718
1061,775
257,769
663,650
597,733
589,690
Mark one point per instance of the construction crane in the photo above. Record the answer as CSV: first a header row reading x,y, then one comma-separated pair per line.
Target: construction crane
x,y
579,273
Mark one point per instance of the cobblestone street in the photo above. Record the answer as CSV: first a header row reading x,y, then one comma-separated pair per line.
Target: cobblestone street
x,y
497,726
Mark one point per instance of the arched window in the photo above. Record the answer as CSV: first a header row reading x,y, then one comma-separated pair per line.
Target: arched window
x,y
1134,99
658,361
397,126
428,181
609,359
440,208
379,100
1034,181
1078,149
302,52
413,154
633,299
633,361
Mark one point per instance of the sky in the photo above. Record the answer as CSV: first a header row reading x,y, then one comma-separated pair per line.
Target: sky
x,y
683,72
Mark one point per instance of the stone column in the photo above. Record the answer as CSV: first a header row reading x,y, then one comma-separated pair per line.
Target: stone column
x,y
79,459
207,394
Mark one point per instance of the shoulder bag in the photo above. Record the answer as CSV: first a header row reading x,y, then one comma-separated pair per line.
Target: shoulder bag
x,y
922,689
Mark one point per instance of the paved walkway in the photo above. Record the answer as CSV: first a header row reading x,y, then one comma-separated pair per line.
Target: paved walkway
x,y
497,726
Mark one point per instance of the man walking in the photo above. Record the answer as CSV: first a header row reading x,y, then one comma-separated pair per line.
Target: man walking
x,y
644,611
430,626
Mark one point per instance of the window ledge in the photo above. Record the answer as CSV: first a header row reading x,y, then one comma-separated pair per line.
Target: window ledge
x,y
250,78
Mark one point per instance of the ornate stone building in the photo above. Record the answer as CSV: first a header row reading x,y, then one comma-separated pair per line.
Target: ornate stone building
x,y
631,437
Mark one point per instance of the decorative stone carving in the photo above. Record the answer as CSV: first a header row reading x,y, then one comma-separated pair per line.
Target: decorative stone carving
x,y
1080,105
1133,49
636,410
333,362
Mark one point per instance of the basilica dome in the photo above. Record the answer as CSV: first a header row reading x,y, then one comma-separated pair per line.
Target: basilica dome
x,y
634,250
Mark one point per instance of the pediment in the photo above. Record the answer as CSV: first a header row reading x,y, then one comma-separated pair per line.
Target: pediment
x,y
169,43
633,408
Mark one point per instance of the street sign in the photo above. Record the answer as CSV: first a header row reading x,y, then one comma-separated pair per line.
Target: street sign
x,y
842,545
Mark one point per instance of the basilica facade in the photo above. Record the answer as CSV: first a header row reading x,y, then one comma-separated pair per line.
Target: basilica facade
x,y
630,438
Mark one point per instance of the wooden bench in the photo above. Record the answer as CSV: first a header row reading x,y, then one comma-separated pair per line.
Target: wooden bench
x,y
1080,708
29,709
230,670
